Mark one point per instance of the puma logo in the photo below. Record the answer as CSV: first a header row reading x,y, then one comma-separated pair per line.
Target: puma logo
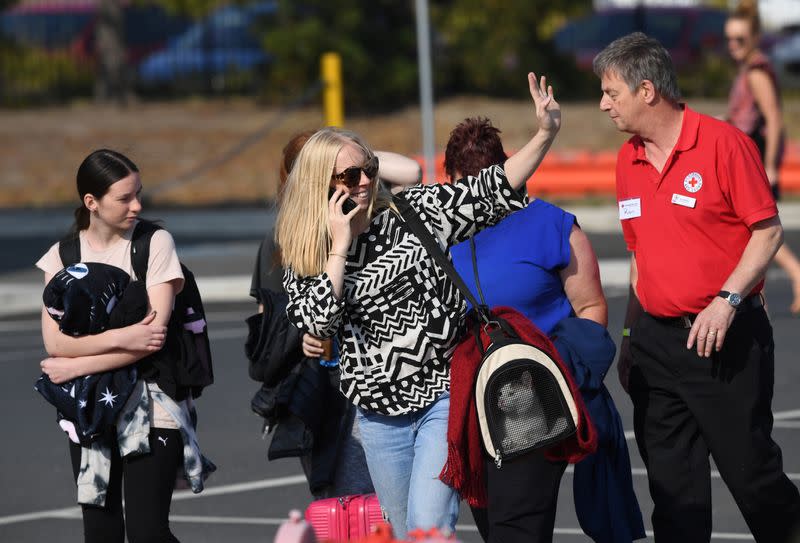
x,y
163,440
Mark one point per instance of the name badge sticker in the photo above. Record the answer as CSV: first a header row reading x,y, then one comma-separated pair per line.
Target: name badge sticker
x,y
630,209
685,201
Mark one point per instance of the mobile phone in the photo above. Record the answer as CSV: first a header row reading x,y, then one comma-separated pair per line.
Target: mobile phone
x,y
348,205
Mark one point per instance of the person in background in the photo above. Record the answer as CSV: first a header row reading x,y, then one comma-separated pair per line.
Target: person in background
x,y
697,352
540,262
754,107
364,277
350,470
268,272
109,187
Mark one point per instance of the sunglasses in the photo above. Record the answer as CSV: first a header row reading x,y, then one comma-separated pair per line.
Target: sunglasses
x,y
352,176
738,40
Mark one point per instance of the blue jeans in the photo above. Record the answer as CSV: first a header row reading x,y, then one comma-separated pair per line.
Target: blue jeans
x,y
405,455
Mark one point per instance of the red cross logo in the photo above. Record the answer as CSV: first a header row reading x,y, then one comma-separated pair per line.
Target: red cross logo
x,y
693,182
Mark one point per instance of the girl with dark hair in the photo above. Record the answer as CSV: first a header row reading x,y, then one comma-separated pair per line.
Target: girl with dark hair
x,y
754,107
153,435
96,174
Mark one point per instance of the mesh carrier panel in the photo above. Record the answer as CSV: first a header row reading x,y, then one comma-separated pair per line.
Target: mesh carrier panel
x,y
525,409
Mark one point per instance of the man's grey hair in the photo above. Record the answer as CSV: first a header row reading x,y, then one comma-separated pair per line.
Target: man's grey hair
x,y
637,57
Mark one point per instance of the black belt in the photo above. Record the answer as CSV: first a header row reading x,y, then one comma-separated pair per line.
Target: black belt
x,y
686,321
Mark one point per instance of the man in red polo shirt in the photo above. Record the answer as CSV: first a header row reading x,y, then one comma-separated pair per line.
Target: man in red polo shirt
x,y
697,355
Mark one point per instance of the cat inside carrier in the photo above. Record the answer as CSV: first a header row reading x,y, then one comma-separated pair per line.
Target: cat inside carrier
x,y
522,397
523,400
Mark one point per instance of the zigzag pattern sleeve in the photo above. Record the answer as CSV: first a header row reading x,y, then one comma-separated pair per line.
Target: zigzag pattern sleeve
x,y
312,306
458,210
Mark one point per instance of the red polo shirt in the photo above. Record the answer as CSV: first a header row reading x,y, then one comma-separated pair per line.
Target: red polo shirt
x,y
694,217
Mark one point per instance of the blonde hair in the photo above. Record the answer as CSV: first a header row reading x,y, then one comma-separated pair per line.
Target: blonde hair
x,y
747,10
301,229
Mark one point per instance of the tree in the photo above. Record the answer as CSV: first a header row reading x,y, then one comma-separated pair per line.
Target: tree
x,y
112,83
488,46
480,46
376,40
192,8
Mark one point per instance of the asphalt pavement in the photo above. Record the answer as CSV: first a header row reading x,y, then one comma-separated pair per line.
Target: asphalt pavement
x,y
247,498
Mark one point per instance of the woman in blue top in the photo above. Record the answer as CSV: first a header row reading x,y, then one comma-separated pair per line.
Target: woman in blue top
x,y
540,262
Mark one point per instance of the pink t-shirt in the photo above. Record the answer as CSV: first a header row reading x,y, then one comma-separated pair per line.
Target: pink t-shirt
x,y
162,266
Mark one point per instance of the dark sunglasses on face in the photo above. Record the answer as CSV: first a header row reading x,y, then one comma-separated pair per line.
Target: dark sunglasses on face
x,y
352,176
738,40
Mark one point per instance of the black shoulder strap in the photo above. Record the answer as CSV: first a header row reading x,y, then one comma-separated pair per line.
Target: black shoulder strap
x,y
69,249
414,223
474,252
140,247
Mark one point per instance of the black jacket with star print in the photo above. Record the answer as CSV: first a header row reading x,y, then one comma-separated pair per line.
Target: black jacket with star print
x,y
93,402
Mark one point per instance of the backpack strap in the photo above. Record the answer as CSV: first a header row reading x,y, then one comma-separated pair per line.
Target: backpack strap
x,y
411,218
69,249
474,251
140,247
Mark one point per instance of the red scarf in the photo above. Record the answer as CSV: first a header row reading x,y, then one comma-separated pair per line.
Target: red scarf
x,y
465,459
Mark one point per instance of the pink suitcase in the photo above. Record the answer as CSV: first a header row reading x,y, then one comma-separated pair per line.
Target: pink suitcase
x,y
344,518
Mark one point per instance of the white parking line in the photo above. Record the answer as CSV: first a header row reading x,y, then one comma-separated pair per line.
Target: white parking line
x,y
75,513
240,487
256,521
784,415
795,424
202,519
67,512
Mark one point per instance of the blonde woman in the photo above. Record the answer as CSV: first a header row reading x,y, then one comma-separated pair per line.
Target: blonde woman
x,y
361,275
337,466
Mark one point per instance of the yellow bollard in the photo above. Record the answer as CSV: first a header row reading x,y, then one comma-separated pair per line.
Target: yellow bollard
x,y
332,95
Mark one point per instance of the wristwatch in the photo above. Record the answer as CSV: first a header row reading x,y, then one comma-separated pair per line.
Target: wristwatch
x,y
732,298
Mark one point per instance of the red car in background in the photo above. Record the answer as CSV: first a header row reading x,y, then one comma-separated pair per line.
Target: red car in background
x,y
70,26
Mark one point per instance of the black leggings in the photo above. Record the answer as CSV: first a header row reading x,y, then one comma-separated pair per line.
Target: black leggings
x,y
149,481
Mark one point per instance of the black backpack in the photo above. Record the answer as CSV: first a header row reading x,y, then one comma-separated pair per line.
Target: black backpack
x,y
183,366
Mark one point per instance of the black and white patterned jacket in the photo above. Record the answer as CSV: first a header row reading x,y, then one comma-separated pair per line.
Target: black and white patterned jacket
x,y
399,318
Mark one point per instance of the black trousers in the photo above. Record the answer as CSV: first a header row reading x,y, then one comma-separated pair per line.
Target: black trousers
x,y
149,481
523,495
687,407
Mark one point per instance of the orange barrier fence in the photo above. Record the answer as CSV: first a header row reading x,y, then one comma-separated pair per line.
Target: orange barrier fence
x,y
585,173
